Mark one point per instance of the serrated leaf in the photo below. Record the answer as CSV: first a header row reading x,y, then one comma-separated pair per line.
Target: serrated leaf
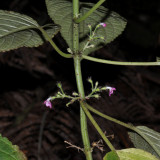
x,y
9,151
130,154
18,30
140,142
61,13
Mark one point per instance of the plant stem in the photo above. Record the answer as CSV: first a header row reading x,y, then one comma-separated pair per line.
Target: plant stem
x,y
97,126
83,120
121,63
78,74
78,20
129,126
46,36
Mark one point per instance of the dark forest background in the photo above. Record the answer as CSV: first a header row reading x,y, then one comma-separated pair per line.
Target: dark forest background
x,y
29,75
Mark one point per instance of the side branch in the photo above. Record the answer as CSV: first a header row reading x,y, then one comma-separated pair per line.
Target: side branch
x,y
78,20
46,36
120,63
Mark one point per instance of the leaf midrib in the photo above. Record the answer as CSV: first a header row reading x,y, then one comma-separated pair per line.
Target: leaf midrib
x,y
18,30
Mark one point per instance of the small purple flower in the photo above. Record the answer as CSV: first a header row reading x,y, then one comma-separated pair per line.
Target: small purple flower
x,y
103,24
111,89
48,103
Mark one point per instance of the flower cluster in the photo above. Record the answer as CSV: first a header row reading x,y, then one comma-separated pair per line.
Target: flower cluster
x,y
93,36
60,94
95,90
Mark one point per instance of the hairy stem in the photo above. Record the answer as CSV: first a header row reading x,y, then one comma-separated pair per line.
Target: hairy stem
x,y
129,126
78,20
78,74
83,120
46,36
121,63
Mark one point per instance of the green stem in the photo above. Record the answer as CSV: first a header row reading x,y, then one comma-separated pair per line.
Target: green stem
x,y
46,36
121,63
75,8
83,120
78,20
129,126
78,74
97,126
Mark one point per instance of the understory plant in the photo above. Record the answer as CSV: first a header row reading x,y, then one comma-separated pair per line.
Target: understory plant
x,y
86,27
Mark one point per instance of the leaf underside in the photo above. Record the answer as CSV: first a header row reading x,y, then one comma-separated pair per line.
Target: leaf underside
x,y
141,143
130,154
61,13
18,30
9,151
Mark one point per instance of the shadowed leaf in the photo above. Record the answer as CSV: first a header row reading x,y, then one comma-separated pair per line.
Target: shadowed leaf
x,y
61,13
18,30
140,142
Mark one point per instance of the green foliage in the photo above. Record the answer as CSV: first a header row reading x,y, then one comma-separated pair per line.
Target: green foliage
x,y
17,30
61,13
9,151
111,156
130,154
152,136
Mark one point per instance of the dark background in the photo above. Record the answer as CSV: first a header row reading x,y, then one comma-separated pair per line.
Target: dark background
x,y
29,76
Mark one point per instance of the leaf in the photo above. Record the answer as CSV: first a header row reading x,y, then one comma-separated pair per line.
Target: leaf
x,y
158,59
140,142
61,13
111,156
9,151
130,154
17,30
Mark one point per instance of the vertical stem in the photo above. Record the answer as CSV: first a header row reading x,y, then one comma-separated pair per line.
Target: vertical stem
x,y
84,130
89,12
78,74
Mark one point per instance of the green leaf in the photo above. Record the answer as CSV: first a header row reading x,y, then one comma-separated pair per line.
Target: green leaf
x,y
111,156
9,151
130,154
152,136
17,30
61,13
158,59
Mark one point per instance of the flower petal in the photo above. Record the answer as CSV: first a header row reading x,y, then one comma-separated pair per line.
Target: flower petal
x,y
111,89
48,103
103,24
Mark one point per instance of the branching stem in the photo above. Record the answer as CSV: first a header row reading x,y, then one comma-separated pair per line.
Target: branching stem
x,y
46,36
97,126
121,63
78,20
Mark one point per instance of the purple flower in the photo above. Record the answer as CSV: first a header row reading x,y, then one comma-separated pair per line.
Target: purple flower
x,y
48,103
103,24
111,89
